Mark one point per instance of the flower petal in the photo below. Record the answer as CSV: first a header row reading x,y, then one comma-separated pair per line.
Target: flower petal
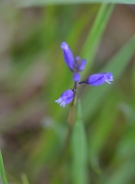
x,y
76,77
65,98
98,79
59,100
82,65
68,56
95,79
109,76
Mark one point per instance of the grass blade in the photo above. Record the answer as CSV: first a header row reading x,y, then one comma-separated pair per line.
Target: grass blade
x,y
79,150
102,130
122,175
24,179
94,36
2,171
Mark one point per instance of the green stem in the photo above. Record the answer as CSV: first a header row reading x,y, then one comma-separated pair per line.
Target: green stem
x,y
2,171
75,90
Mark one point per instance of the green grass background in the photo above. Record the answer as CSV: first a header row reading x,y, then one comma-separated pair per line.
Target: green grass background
x,y
33,75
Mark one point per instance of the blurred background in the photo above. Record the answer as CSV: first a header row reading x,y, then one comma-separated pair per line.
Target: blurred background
x,y
33,75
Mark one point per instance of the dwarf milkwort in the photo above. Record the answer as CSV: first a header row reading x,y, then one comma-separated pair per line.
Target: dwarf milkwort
x,y
76,65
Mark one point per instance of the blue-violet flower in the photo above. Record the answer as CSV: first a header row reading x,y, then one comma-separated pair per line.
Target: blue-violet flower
x,y
65,98
76,77
76,65
68,56
98,79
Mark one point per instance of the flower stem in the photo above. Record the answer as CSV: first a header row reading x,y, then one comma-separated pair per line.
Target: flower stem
x,y
82,82
75,90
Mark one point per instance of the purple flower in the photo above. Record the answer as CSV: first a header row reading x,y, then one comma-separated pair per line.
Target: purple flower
x,y
79,64
98,79
68,56
76,65
76,77
65,98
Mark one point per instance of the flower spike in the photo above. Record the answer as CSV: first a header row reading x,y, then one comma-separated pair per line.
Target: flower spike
x,y
76,65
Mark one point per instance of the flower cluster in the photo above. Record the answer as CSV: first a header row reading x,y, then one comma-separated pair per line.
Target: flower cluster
x,y
76,65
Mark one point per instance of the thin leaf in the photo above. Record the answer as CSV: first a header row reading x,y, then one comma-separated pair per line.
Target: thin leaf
x,y
103,128
24,179
94,36
122,175
79,150
2,171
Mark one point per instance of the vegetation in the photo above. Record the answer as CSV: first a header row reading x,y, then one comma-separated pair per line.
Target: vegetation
x,y
91,142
